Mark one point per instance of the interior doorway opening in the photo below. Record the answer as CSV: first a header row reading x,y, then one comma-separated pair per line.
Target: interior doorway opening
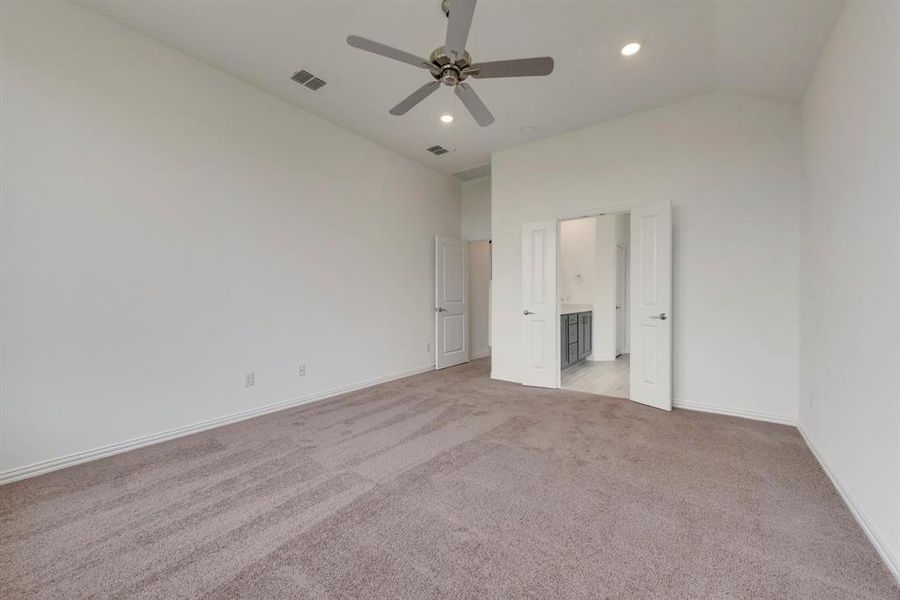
x,y
593,290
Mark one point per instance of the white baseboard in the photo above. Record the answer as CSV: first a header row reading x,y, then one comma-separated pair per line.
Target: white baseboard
x,y
892,562
735,412
605,358
54,464
506,377
482,355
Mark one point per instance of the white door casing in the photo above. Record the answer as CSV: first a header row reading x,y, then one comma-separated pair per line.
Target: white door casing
x,y
650,305
451,311
540,313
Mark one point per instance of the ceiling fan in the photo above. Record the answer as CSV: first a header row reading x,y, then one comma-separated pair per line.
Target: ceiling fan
x,y
450,64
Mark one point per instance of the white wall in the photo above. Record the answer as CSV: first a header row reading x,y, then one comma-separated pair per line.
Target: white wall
x,y
576,278
603,319
476,226
850,269
476,209
479,256
731,167
167,228
623,240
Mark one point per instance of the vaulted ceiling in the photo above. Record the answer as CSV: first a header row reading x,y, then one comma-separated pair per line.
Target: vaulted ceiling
x,y
761,48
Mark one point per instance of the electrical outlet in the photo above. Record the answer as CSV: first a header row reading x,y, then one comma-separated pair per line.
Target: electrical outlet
x,y
301,370
427,346
250,379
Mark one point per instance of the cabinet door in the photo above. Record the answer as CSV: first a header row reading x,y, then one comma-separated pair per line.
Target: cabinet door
x,y
584,323
563,345
588,333
573,353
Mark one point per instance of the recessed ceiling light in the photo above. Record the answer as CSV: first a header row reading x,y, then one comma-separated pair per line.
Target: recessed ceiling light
x,y
446,118
630,49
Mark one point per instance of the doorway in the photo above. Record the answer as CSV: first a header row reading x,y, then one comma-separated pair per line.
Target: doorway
x,y
479,257
648,291
462,291
592,285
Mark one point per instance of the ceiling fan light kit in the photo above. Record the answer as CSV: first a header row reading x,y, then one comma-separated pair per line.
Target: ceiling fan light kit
x,y
451,65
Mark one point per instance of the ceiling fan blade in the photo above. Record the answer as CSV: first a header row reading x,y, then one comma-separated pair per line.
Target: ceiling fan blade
x,y
476,107
379,48
414,98
519,67
458,25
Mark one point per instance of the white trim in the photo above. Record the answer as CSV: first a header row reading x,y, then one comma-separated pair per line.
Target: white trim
x,y
481,355
893,563
54,464
500,376
756,415
604,358
596,212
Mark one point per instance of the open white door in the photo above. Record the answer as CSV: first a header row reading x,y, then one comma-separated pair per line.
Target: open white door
x,y
651,305
451,311
540,318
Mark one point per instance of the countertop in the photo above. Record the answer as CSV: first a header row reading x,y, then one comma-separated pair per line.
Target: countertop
x,y
567,309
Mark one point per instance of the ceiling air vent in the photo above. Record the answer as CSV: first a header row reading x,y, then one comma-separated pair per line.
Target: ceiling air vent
x,y
438,150
307,79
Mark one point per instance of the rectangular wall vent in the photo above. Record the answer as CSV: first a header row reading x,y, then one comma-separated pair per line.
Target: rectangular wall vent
x,y
438,150
307,79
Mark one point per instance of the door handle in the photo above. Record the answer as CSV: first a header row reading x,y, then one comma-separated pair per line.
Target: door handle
x,y
440,309
527,312
660,316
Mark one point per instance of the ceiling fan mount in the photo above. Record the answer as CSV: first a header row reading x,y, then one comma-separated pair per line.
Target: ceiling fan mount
x,y
448,70
451,65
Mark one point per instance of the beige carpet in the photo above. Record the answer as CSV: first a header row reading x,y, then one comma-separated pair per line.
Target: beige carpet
x,y
446,485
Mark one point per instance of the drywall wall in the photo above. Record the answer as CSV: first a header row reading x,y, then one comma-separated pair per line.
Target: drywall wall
x,y
479,256
577,264
731,167
476,209
850,267
167,228
603,297
623,279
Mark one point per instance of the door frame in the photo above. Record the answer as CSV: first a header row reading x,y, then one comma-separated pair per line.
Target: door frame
x,y
582,214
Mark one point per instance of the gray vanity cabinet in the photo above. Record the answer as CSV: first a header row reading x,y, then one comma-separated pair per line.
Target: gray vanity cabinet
x,y
584,334
574,337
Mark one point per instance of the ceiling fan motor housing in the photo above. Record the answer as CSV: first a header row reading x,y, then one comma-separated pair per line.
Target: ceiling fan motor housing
x,y
446,70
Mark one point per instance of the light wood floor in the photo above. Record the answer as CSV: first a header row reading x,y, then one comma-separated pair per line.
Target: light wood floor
x,y
607,378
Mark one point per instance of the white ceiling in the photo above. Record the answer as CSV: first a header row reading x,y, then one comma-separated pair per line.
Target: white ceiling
x,y
757,47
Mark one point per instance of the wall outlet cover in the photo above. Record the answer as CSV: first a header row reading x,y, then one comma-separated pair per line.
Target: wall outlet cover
x,y
250,379
301,370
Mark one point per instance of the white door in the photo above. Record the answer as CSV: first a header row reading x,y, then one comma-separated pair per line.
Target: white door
x,y
621,298
540,314
651,305
451,311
